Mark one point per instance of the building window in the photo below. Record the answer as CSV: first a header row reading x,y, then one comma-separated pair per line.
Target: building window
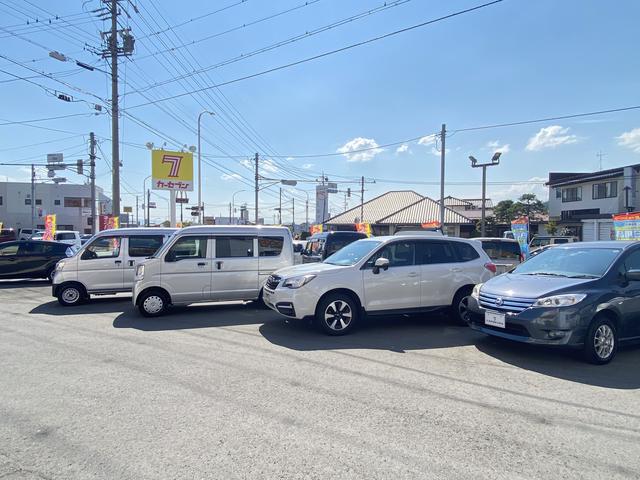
x,y
73,202
27,201
86,202
573,194
56,202
38,202
558,193
605,190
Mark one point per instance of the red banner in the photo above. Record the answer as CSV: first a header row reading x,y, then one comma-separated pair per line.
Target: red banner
x,y
434,224
108,222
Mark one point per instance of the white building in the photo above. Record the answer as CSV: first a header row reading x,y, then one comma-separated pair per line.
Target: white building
x,y
582,204
70,203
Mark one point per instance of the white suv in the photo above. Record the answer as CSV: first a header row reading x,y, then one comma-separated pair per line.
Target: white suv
x,y
382,275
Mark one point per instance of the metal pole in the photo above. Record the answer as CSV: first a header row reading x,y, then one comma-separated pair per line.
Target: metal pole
x,y
148,208
92,176
200,206
361,199
293,213
484,193
230,222
33,197
115,141
172,208
137,213
257,188
280,209
307,212
443,135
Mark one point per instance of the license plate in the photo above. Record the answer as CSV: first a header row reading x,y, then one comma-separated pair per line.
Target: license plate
x,y
494,319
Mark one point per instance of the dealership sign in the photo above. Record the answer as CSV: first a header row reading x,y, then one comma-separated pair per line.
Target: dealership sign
x,y
172,170
627,226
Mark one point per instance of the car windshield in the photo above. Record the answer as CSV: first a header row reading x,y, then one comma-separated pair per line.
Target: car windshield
x,y
352,253
497,249
570,262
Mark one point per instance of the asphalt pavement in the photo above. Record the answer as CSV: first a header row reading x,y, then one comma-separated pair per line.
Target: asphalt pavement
x,y
233,391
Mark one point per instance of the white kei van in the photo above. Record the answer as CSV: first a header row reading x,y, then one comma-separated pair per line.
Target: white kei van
x,y
106,264
211,263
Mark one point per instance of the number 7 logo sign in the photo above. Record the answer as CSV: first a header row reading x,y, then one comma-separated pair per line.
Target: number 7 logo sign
x,y
175,162
172,170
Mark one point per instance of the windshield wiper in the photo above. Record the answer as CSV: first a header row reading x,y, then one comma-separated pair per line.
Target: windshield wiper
x,y
547,274
583,276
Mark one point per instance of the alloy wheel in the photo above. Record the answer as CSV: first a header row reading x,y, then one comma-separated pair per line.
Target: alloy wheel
x,y
463,308
604,341
338,315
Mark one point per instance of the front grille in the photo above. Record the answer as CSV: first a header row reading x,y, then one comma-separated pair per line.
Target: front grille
x,y
510,328
272,282
499,303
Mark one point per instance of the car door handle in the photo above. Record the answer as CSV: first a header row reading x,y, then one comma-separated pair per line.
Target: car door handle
x,y
202,264
219,265
118,262
413,274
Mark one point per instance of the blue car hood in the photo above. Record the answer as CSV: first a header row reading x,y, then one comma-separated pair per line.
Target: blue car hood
x,y
529,286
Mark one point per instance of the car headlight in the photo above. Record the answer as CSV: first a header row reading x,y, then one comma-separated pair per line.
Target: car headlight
x,y
59,266
140,272
560,300
297,282
475,293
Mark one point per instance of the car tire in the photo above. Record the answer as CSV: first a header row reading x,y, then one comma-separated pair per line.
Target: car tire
x,y
153,303
601,341
259,302
71,295
50,275
337,314
460,307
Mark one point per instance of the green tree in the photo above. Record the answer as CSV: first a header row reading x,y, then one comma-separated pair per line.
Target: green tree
x,y
503,211
552,227
529,205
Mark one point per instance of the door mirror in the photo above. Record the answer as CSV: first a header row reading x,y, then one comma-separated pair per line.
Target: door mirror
x,y
380,264
633,275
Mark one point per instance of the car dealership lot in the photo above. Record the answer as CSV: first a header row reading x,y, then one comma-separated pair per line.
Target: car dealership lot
x,y
232,391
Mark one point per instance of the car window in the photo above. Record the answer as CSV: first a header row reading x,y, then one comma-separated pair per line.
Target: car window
x,y
29,248
466,252
429,253
55,248
561,240
540,242
8,250
399,254
65,236
186,248
352,253
501,250
144,246
632,262
582,262
230,247
334,245
102,247
315,246
270,246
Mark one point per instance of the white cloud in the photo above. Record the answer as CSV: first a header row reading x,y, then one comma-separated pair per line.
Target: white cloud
x,y
227,177
307,166
350,149
428,140
512,192
551,137
435,151
402,148
495,146
630,139
266,165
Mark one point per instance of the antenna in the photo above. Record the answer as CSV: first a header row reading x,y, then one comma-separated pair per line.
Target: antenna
x,y
600,155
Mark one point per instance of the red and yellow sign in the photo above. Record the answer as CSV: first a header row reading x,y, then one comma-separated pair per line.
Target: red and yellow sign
x,y
49,227
364,228
108,222
315,229
172,170
433,224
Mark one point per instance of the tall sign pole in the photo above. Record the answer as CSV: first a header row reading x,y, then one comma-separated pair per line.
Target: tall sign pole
x,y
92,177
33,197
443,135
257,187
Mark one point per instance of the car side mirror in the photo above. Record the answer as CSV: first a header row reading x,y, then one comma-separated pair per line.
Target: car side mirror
x,y
380,264
633,275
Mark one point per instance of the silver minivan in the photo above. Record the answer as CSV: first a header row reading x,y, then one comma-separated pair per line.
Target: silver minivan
x,y
106,264
211,263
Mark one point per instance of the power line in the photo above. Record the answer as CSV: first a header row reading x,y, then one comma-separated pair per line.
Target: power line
x,y
325,54
23,122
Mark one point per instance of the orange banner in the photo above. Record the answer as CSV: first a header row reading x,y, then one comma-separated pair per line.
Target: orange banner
x,y
364,228
315,229
434,224
49,227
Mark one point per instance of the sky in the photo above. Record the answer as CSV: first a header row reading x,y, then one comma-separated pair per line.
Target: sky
x,y
513,61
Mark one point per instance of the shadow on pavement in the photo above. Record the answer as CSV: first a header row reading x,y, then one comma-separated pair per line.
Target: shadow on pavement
x,y
621,373
24,283
397,334
196,316
95,306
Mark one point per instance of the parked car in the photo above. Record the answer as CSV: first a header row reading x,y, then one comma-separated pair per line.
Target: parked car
x,y
28,233
378,276
508,234
31,258
322,245
70,237
106,264
543,240
538,251
85,237
7,235
505,253
211,263
583,295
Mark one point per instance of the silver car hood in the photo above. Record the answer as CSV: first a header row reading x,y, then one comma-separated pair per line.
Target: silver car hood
x,y
306,269
528,286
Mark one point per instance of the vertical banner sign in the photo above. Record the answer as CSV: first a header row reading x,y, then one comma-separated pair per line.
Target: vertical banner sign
x,y
172,170
315,229
627,226
49,227
364,228
108,222
520,229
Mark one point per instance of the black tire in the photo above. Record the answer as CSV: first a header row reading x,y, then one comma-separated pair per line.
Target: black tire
x,y
337,314
49,276
460,307
153,303
71,295
259,302
601,341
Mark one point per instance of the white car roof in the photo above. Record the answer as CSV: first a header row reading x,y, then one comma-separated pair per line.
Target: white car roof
x,y
137,231
236,229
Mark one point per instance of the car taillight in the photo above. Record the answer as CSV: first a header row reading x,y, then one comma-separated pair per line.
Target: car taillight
x,y
491,267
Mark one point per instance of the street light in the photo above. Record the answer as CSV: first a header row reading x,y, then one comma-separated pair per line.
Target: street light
x,y
495,160
144,194
233,203
200,209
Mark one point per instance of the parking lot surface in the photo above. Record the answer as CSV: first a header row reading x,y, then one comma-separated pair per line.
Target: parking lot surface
x,y
233,391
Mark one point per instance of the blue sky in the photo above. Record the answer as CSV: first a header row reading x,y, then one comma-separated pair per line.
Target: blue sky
x,y
516,60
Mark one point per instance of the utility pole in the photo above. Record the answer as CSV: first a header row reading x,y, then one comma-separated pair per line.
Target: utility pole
x,y
495,160
33,197
443,135
257,187
137,211
280,209
92,177
293,213
230,221
148,208
600,155
115,134
361,199
307,213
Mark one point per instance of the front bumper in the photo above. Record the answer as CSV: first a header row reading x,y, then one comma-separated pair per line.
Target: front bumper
x,y
565,326
293,303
